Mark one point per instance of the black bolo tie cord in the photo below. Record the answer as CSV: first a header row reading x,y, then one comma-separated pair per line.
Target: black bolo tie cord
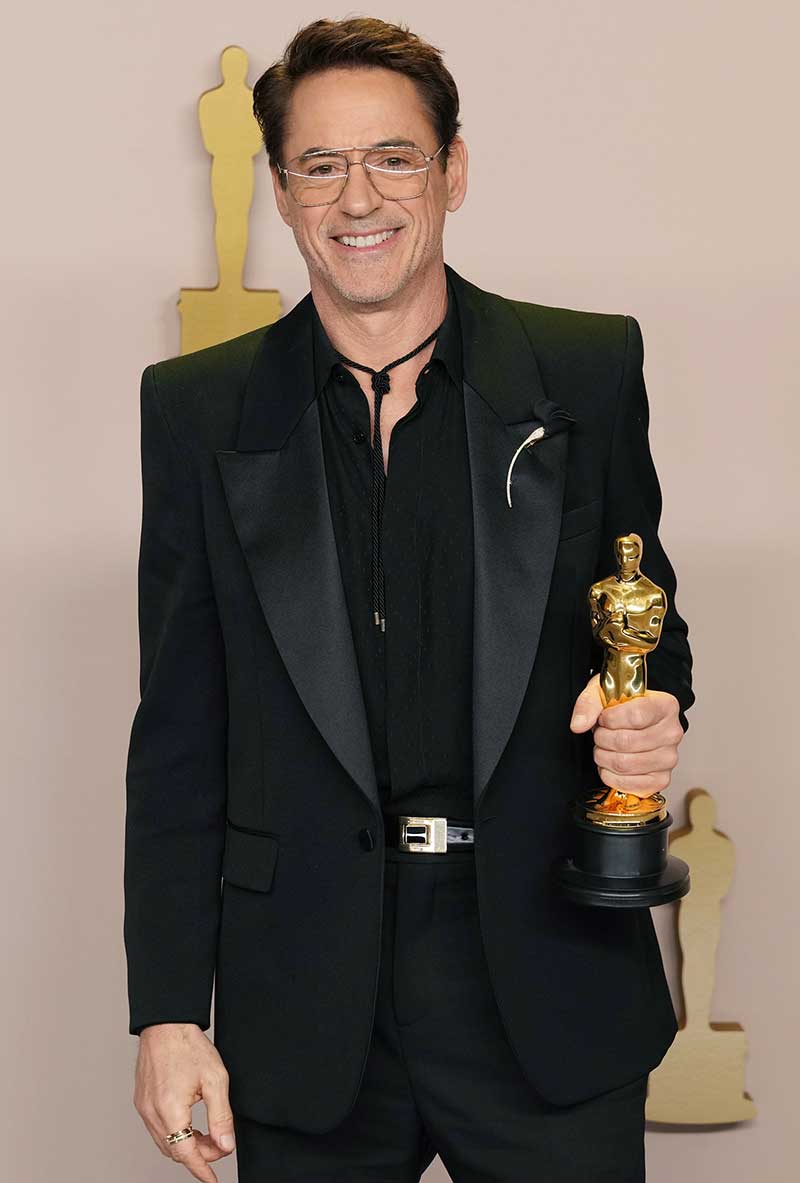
x,y
380,385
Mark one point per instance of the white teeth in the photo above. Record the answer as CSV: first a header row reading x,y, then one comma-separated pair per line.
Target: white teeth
x,y
369,240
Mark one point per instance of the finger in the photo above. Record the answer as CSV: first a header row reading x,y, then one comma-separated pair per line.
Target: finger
x,y
208,1147
666,733
642,711
640,786
636,763
588,706
220,1117
153,1126
188,1154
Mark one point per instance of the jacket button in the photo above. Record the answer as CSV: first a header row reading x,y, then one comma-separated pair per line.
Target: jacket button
x,y
366,839
359,436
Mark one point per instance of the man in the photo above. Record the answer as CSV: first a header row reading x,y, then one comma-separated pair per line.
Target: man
x,y
346,624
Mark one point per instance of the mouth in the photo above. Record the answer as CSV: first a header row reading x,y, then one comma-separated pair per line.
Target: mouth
x,y
366,244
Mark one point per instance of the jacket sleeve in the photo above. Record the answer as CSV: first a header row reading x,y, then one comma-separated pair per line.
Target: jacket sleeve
x,y
633,506
176,776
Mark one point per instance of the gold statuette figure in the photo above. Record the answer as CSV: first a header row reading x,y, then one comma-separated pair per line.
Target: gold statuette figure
x,y
627,612
619,856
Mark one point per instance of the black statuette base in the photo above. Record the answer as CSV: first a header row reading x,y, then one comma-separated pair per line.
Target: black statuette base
x,y
627,868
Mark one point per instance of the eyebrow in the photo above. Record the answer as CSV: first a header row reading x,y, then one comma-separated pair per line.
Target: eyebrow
x,y
394,142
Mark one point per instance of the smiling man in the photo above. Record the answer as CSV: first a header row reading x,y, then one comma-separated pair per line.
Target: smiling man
x,y
369,687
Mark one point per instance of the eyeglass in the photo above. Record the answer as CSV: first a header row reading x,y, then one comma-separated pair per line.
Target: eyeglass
x,y
398,172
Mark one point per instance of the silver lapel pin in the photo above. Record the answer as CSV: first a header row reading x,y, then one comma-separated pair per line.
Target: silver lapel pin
x,y
526,443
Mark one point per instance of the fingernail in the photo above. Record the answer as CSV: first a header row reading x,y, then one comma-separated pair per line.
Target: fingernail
x,y
578,720
227,1142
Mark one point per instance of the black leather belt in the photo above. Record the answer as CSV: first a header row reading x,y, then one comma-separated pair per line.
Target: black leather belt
x,y
428,835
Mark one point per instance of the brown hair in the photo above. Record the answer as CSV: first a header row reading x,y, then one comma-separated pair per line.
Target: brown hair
x,y
355,43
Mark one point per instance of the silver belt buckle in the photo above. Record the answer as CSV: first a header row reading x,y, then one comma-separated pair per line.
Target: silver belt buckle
x,y
425,834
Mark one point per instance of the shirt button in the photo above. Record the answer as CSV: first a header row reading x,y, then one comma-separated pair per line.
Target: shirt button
x,y
359,436
339,377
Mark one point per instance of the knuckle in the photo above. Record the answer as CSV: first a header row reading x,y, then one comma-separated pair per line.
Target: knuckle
x,y
624,740
215,1077
602,760
144,1107
149,1116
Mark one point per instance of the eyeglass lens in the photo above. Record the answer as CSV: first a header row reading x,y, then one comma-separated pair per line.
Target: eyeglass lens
x,y
397,173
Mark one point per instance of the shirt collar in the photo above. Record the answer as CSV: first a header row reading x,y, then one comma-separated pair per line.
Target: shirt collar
x,y
447,347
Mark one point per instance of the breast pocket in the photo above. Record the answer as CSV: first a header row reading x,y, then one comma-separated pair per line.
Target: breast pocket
x,y
250,857
580,519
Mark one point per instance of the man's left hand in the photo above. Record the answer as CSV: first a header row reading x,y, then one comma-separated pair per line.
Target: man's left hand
x,y
635,742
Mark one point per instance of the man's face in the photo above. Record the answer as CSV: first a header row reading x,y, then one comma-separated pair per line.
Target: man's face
x,y
339,108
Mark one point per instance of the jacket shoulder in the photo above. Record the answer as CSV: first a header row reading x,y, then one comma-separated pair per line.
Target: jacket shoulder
x,y
553,328
201,392
567,332
566,339
225,362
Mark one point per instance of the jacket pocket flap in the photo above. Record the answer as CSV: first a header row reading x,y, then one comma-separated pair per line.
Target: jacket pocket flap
x,y
249,858
581,518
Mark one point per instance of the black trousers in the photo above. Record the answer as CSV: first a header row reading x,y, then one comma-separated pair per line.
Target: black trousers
x,y
440,1076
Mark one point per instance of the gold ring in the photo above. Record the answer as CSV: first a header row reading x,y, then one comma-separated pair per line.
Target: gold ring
x,y
186,1132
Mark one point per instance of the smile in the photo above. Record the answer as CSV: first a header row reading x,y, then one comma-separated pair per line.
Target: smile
x,y
366,242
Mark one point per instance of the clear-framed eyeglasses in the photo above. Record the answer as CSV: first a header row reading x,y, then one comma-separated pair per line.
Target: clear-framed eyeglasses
x,y
398,172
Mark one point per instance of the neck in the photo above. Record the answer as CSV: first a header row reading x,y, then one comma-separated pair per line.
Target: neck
x,y
374,334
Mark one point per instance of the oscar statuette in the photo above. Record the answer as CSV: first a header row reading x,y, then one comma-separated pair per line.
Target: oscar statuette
x,y
618,854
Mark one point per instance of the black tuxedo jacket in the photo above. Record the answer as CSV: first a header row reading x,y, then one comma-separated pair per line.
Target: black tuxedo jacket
x,y
254,838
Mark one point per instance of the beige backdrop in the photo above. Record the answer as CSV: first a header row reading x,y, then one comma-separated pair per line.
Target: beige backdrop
x,y
657,142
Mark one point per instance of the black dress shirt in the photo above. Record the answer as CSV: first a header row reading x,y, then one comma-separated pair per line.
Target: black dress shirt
x,y
417,675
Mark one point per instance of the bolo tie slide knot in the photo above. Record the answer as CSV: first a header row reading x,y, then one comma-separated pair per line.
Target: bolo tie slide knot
x,y
381,382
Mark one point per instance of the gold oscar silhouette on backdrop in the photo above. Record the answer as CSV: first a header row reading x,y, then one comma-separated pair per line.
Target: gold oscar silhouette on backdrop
x,y
232,137
701,1078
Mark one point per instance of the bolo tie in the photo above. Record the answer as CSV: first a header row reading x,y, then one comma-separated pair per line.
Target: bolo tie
x,y
380,381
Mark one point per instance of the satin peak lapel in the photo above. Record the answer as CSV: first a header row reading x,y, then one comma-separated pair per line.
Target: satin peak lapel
x,y
276,490
514,548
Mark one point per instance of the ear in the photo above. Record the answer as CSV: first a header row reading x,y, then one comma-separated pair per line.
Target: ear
x,y
456,174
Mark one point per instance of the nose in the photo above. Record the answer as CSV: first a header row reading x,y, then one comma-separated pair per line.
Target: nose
x,y
359,196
